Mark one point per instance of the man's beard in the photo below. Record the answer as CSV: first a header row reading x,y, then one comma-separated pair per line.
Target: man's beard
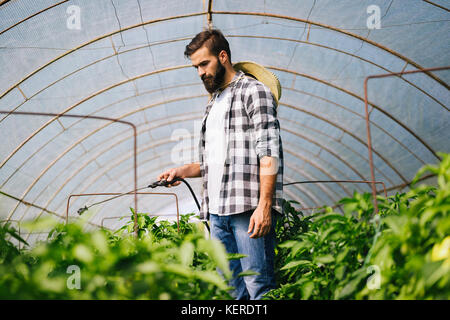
x,y
212,83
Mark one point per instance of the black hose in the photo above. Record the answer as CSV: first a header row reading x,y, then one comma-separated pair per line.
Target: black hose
x,y
164,183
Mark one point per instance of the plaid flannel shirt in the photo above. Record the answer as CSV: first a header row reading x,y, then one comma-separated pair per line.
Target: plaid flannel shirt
x,y
252,132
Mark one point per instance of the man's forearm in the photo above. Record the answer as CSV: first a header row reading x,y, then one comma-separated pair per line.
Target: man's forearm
x,y
192,170
268,178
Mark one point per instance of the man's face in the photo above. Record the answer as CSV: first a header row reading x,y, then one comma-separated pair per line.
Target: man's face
x,y
209,68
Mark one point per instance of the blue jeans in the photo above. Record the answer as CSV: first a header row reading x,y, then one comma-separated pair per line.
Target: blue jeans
x,y
232,232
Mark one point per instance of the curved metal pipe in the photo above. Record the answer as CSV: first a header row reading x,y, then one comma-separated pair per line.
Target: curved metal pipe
x,y
57,115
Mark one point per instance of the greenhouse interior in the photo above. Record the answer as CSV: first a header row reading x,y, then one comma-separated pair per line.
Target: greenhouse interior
x,y
97,99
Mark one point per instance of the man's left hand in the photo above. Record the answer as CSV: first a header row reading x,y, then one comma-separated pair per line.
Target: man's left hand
x,y
260,221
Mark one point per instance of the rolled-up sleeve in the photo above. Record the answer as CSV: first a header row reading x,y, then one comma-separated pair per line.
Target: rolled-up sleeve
x,y
261,108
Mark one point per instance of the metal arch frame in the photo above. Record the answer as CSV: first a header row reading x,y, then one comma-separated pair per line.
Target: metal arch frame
x,y
285,88
349,110
304,75
337,30
322,147
210,12
241,36
404,185
361,99
125,158
84,100
183,66
294,168
85,137
308,175
369,139
343,52
337,141
151,73
178,99
349,133
79,170
115,217
48,167
331,181
122,140
29,17
87,117
115,194
362,118
87,163
305,150
162,168
106,170
99,175
30,204
437,5
345,181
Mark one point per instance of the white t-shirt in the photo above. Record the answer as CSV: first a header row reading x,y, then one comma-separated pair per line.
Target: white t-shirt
x,y
215,148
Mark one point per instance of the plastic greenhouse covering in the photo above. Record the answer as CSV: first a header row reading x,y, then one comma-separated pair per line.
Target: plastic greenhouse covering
x,y
124,60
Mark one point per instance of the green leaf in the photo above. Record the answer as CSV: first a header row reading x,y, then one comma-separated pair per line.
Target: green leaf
x,y
297,263
248,273
339,272
211,277
187,253
148,267
288,244
15,235
236,256
83,253
351,286
307,290
328,258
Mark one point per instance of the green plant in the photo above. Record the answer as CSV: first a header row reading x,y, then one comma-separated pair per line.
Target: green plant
x,y
326,255
407,245
413,252
329,248
118,267
8,251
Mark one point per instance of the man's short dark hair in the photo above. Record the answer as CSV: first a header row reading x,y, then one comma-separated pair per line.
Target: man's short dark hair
x,y
213,39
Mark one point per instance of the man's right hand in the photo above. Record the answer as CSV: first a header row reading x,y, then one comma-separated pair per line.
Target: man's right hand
x,y
170,174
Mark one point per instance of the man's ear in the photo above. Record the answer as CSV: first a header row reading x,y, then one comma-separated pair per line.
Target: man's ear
x,y
223,56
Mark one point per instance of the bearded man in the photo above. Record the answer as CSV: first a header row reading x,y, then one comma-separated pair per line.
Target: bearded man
x,y
241,163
